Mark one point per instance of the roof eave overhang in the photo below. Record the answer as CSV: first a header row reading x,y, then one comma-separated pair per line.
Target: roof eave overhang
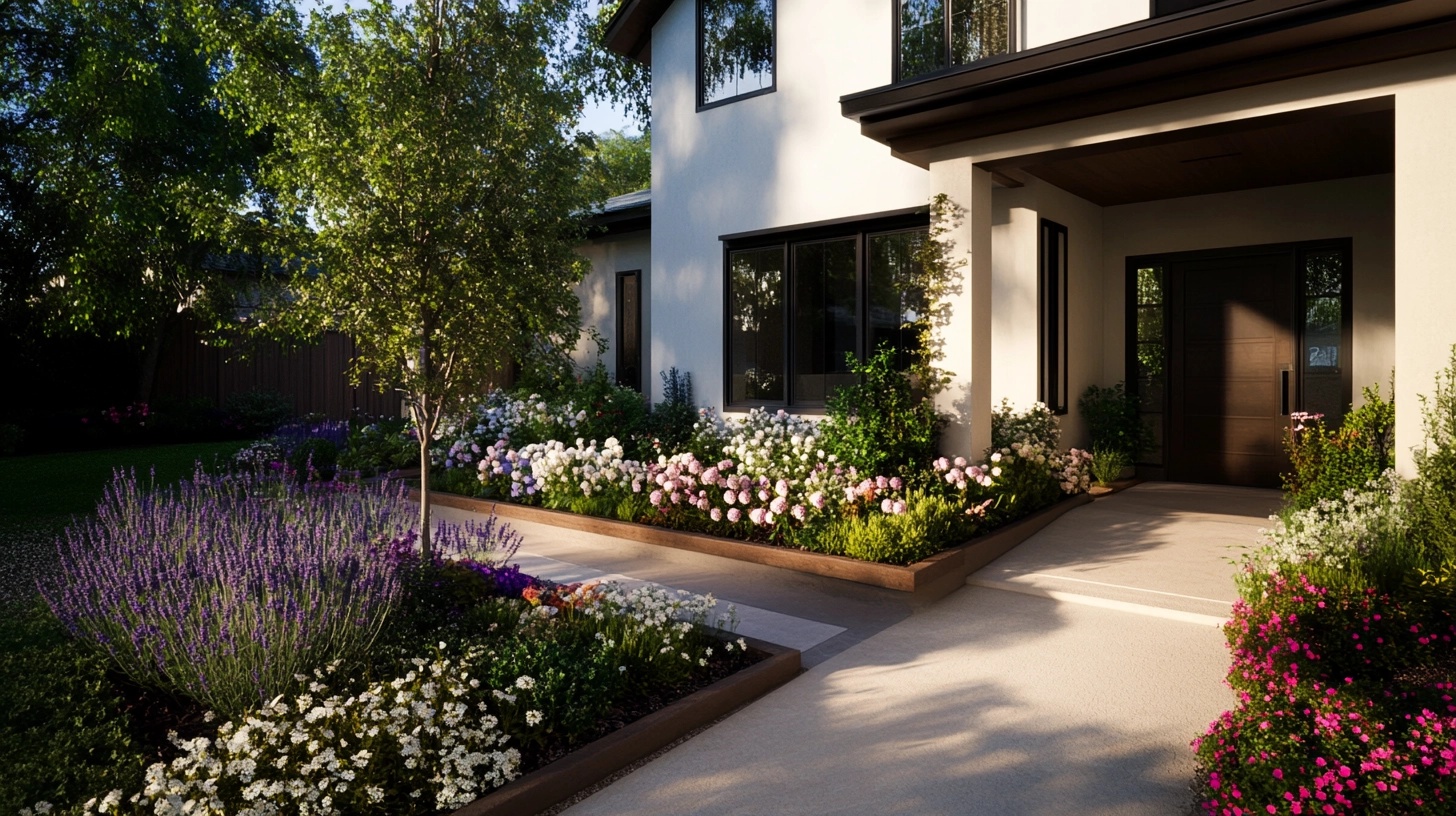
x,y
1222,47
629,32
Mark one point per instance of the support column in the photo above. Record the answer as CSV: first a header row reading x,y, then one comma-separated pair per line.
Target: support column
x,y
1425,267
966,337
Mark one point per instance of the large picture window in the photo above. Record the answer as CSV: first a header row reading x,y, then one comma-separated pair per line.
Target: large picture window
x,y
735,50
799,302
937,34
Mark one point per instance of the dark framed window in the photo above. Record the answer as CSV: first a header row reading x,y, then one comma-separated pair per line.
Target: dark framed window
x,y
1052,303
798,302
932,35
629,329
1325,329
736,47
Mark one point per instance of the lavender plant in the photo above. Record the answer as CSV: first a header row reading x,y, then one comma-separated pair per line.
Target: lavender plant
x,y
226,588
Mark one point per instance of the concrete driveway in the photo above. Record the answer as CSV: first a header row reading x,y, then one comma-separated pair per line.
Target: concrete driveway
x,y
1068,678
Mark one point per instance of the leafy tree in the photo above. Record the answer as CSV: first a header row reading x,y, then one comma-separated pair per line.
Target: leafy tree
x,y
430,148
618,164
120,174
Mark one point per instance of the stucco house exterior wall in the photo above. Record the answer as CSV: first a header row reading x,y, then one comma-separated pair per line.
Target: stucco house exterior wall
x,y
1085,87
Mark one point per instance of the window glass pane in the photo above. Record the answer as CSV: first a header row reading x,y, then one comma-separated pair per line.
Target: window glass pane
x,y
756,325
736,40
629,341
1150,324
978,30
826,307
1322,386
922,37
1149,286
1324,273
897,309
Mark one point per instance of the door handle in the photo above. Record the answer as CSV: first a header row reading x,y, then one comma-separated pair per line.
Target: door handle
x,y
1284,392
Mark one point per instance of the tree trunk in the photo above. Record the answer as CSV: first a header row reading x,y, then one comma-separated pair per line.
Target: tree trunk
x,y
425,546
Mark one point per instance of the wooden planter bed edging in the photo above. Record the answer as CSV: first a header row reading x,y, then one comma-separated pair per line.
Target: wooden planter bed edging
x,y
928,580
594,762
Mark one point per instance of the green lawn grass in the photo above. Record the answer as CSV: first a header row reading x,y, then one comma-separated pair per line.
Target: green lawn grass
x,y
62,484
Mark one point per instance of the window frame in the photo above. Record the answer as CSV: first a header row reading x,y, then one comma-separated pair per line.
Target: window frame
x,y
1013,41
773,84
1054,309
861,230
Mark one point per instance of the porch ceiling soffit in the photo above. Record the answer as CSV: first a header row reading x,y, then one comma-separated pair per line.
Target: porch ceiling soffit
x,y
1230,45
1313,144
629,32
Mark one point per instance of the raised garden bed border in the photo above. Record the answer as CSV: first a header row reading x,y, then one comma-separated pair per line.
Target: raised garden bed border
x,y
928,580
596,761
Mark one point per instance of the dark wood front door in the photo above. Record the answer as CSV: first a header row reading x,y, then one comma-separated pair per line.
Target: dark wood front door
x,y
1231,360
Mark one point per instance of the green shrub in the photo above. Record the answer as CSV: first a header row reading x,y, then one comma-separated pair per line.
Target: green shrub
x,y
670,428
880,425
258,412
380,447
314,458
929,524
64,733
1108,464
1326,462
1113,421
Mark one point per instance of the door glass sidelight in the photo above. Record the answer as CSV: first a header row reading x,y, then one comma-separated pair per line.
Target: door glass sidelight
x,y
1324,336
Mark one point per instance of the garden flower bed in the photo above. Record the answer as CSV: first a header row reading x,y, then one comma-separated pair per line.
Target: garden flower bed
x,y
771,482
1344,642
248,644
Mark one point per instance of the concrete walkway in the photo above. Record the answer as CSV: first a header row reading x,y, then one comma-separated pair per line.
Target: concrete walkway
x,y
1069,677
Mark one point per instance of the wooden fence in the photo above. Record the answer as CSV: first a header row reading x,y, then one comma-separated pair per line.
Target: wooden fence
x,y
315,377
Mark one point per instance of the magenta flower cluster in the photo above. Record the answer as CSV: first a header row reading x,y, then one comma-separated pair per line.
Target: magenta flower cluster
x,y
1334,716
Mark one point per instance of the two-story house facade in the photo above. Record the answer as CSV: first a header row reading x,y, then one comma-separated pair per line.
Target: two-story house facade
x,y
1237,207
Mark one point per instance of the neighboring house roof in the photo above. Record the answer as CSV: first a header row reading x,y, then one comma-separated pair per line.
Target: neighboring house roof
x,y
621,214
1224,46
629,32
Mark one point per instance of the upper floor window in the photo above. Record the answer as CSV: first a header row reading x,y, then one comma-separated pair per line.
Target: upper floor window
x,y
735,50
936,34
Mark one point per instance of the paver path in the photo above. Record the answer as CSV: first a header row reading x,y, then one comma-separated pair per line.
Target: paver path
x,y
1068,678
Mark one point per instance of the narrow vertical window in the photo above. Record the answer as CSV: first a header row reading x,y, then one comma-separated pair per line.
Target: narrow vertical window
x,y
629,329
735,49
1149,354
1323,367
756,325
1052,294
936,34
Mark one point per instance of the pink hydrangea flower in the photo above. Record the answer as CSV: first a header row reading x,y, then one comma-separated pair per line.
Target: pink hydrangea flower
x,y
715,514
655,498
734,515
817,500
756,515
744,497
779,505
798,512
887,506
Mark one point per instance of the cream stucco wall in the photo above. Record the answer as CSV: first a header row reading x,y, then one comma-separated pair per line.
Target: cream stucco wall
x,y
1358,208
1049,21
1016,215
598,296
775,160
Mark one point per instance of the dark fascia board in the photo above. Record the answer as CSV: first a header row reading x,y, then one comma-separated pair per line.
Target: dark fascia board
x,y
629,32
889,219
1229,45
619,222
